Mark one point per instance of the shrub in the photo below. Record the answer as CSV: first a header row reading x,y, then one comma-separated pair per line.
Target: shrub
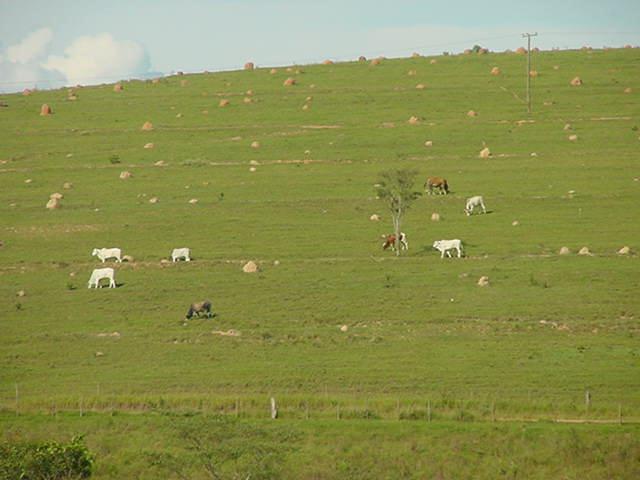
x,y
45,460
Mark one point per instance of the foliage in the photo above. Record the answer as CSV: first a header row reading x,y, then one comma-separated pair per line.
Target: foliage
x,y
45,461
396,187
225,448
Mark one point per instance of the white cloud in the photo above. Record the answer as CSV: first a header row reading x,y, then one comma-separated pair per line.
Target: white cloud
x,y
100,58
32,47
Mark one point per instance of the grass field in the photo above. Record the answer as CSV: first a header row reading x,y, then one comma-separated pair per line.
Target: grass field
x,y
424,342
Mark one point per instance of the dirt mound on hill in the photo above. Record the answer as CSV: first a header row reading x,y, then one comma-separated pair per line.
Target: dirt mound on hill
x,y
485,152
289,82
224,103
576,82
53,204
521,50
250,267
495,71
45,110
147,126
117,87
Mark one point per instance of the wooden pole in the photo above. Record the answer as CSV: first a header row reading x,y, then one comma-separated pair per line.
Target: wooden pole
x,y
620,413
529,35
274,409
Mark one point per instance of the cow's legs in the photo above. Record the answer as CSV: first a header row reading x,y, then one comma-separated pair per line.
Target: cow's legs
x,y
459,253
484,210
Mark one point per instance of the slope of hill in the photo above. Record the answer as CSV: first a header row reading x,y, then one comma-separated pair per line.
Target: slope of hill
x,y
421,339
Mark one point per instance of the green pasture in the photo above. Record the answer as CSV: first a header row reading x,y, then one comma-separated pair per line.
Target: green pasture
x,y
420,340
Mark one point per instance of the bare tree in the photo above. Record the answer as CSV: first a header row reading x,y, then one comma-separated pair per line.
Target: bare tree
x,y
396,188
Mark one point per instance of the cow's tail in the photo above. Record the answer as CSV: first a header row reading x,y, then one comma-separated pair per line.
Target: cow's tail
x,y
446,186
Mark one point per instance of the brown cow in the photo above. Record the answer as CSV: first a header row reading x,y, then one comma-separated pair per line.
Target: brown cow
x,y
438,183
390,241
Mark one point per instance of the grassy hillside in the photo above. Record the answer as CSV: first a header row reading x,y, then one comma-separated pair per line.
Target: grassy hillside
x,y
422,336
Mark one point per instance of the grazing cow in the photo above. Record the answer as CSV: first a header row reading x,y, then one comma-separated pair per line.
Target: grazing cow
x,y
100,273
444,246
200,308
179,253
390,241
106,253
438,183
474,202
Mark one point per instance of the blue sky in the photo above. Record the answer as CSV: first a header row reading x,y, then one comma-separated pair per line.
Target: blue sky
x,y
48,43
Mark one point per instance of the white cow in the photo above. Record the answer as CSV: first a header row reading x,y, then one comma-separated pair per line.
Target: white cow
x,y
474,202
179,253
444,246
106,253
100,273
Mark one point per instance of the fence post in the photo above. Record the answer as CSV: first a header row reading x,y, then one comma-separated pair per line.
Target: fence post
x,y
620,414
587,400
274,410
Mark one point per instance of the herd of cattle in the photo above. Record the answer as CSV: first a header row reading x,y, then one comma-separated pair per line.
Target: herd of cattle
x,y
105,254
445,247
440,185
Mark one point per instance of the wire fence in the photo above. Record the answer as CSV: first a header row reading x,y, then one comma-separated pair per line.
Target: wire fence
x,y
329,407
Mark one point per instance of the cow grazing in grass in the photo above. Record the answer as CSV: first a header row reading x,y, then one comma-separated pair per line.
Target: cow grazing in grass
x,y
474,202
179,253
436,183
199,309
100,273
106,253
445,246
390,241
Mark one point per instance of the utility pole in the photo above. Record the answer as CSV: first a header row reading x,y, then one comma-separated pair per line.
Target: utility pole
x,y
529,35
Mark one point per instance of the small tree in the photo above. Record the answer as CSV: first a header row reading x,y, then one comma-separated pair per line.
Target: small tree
x,y
396,188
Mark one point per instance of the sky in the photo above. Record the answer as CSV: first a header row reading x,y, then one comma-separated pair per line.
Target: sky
x,y
53,43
